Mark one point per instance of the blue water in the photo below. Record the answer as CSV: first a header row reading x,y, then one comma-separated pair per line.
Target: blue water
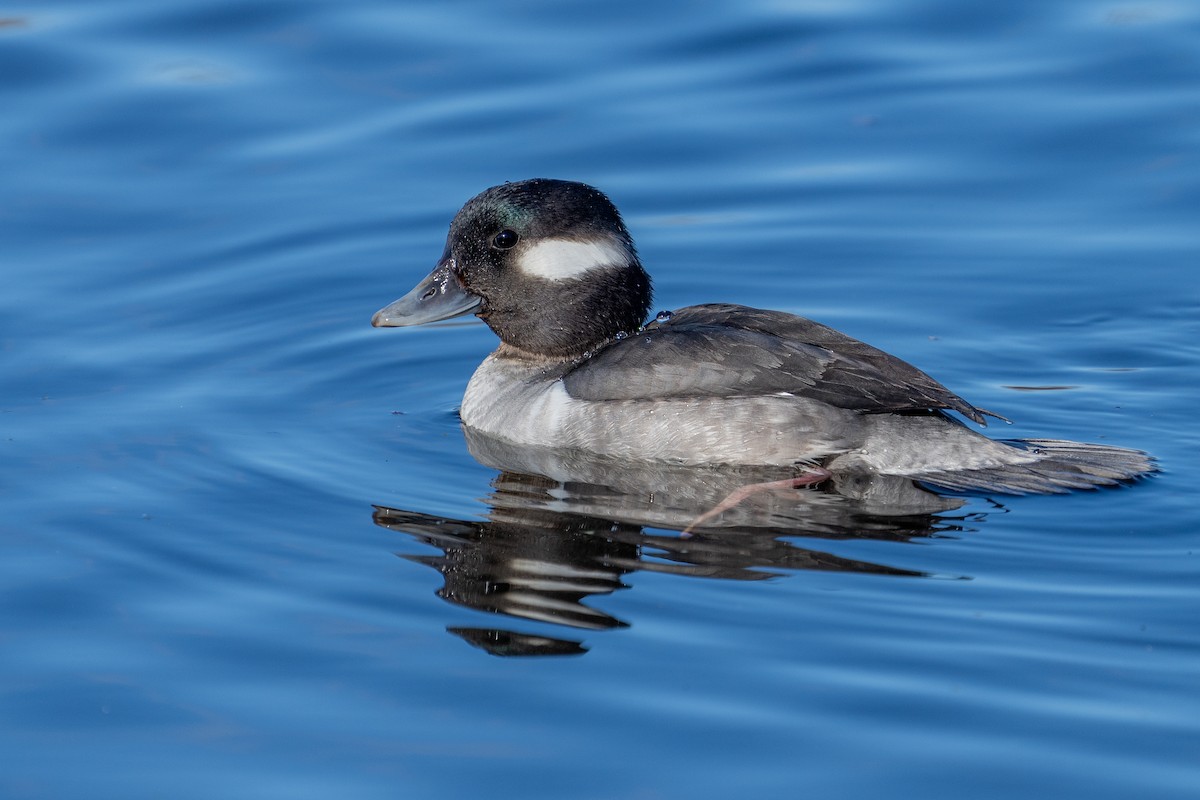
x,y
210,462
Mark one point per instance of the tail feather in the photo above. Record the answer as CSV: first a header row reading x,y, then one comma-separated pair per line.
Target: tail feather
x,y
1059,466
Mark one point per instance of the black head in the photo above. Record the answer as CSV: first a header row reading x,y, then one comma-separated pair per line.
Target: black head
x,y
547,264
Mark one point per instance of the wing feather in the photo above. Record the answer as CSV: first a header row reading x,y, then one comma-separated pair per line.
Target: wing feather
x,y
725,350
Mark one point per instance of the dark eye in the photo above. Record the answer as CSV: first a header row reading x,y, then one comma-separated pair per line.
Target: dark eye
x,y
505,239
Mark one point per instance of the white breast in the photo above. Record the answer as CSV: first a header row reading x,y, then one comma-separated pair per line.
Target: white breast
x,y
507,400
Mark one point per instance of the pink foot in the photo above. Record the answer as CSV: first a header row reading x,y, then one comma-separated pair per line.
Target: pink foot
x,y
813,475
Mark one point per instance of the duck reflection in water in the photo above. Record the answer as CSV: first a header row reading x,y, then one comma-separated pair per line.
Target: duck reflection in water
x,y
566,525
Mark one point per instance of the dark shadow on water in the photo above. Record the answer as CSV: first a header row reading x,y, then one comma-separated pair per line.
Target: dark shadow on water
x,y
564,527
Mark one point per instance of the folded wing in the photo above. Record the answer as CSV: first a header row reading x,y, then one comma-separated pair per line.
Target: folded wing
x,y
724,350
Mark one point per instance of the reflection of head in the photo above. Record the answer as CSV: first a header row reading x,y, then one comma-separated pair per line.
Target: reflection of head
x,y
537,568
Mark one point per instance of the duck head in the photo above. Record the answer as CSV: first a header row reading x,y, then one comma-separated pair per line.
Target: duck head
x,y
547,264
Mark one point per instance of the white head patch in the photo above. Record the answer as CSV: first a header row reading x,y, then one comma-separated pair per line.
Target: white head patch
x,y
561,259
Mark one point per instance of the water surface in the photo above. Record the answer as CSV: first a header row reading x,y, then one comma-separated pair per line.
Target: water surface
x,y
211,462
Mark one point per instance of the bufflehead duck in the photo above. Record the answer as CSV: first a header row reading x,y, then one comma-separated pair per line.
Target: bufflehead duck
x,y
551,268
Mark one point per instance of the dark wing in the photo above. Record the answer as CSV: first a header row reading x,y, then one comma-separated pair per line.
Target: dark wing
x,y
725,350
